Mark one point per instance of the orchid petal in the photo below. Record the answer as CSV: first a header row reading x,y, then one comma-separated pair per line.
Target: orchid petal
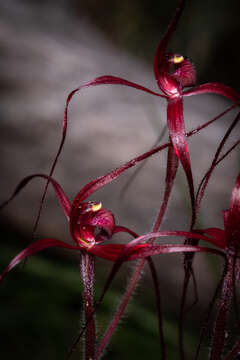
x,y
214,88
107,251
150,250
101,181
117,252
102,80
185,234
217,235
87,218
172,166
64,133
119,229
178,137
103,219
114,80
34,248
185,73
62,198
159,57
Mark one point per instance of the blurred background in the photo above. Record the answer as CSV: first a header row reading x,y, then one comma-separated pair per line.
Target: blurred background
x,y
47,49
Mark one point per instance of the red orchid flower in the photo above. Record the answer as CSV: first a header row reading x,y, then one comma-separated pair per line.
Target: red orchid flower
x,y
87,217
173,73
91,225
172,83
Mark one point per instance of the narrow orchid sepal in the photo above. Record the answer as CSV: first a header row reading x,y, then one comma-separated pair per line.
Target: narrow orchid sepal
x,y
34,248
123,229
178,137
218,237
62,198
214,88
172,167
159,57
151,250
185,234
112,252
114,80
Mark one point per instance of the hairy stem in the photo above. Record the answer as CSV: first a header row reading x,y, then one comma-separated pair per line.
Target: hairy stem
x,y
223,309
87,272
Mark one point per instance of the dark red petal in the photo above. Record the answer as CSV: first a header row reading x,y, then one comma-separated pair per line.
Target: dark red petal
x,y
63,200
114,80
119,229
107,251
169,85
103,219
34,248
64,133
159,57
178,137
214,88
101,181
185,73
232,220
84,235
150,250
185,234
87,218
172,166
102,80
217,235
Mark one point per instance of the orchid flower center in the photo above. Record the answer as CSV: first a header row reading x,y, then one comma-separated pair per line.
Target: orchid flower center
x,y
176,59
85,230
175,73
91,224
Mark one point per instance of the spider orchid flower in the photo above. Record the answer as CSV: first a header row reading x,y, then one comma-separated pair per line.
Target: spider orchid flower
x,y
172,85
91,225
173,74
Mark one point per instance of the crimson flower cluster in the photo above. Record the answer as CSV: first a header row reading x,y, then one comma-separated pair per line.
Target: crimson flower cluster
x,y
92,227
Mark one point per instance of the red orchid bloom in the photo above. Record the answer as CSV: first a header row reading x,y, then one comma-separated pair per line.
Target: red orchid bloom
x,y
173,73
172,84
91,225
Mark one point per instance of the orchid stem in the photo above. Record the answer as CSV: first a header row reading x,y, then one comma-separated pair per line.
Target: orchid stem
x,y
88,273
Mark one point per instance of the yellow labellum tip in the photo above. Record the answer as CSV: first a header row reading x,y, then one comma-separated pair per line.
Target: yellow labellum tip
x,y
177,59
96,207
